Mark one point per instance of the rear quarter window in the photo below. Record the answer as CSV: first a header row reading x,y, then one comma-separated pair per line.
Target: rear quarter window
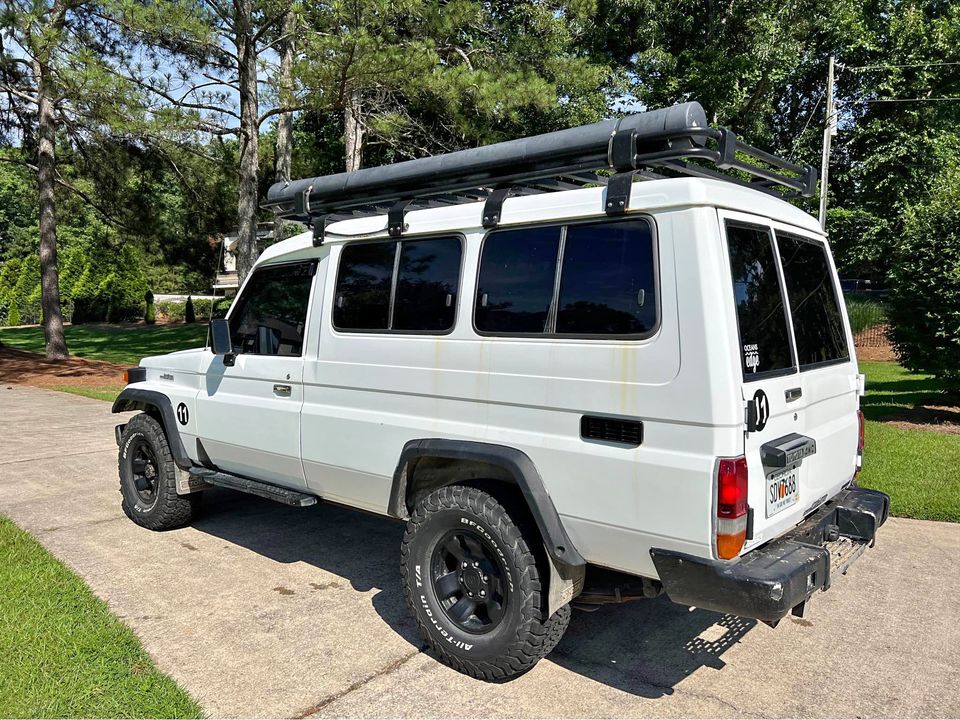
x,y
818,326
761,314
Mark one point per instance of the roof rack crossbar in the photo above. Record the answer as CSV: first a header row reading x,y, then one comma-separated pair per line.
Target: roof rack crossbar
x,y
677,139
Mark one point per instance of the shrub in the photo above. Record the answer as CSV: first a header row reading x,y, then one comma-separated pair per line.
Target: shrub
x,y
150,316
190,315
925,286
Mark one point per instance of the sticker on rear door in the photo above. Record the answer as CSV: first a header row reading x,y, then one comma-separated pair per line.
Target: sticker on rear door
x,y
751,357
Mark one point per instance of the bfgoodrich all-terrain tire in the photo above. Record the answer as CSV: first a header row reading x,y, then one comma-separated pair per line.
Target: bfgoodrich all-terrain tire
x,y
473,585
148,478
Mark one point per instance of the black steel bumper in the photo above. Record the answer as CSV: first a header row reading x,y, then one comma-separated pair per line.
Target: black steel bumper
x,y
770,581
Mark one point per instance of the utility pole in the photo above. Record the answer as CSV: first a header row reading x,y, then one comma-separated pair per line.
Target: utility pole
x,y
829,130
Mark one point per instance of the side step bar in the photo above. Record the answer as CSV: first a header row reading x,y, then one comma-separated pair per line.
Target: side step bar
x,y
254,487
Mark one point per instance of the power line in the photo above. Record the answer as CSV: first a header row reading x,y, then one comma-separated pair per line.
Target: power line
x,y
920,99
858,68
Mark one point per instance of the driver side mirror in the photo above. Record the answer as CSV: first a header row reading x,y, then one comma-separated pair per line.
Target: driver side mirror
x,y
220,341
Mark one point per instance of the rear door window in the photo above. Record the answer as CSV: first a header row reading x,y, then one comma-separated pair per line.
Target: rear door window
x,y
818,327
761,314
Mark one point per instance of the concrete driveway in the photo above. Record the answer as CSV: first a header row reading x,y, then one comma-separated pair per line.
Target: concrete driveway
x,y
263,610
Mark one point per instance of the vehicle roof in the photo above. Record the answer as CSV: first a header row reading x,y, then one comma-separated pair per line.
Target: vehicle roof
x,y
649,196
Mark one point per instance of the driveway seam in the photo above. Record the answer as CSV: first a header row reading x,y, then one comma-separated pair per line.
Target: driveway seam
x,y
391,668
53,457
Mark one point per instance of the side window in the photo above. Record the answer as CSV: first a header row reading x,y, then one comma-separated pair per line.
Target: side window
x,y
428,277
761,315
605,283
271,314
363,286
817,322
406,286
607,286
518,269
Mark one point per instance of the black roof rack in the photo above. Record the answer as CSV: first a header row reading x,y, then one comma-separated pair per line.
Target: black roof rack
x,y
658,143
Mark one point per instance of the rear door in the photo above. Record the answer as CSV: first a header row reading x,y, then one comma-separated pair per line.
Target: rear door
x,y
799,384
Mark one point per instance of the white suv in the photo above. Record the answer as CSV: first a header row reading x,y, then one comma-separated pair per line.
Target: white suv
x,y
574,388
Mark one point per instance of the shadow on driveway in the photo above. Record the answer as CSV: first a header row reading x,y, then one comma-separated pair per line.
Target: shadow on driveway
x,y
644,647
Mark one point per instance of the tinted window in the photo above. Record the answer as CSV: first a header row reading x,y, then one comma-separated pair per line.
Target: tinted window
x,y
364,280
427,281
517,273
764,340
607,282
272,311
817,323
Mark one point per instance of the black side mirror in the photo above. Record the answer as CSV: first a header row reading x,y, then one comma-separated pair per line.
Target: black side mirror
x,y
220,341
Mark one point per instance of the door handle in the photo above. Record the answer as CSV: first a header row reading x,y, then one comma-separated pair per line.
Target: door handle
x,y
281,390
793,394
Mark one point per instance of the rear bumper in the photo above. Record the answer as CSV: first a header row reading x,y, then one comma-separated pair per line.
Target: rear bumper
x,y
769,582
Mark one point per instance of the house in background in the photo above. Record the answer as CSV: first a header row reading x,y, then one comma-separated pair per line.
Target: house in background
x,y
227,281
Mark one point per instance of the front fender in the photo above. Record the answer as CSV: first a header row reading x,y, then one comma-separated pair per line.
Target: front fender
x,y
135,398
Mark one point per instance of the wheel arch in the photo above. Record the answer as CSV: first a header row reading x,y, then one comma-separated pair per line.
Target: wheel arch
x,y
430,463
159,406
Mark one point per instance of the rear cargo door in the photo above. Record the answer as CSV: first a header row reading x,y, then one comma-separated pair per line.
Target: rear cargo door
x,y
799,408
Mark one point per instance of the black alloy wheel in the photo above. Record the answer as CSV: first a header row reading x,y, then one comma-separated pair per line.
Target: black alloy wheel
x,y
469,581
143,468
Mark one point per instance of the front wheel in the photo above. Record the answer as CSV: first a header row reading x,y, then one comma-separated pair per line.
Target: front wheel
x,y
148,478
474,587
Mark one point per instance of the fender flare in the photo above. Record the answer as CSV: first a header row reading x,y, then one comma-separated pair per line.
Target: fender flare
x,y
131,398
520,467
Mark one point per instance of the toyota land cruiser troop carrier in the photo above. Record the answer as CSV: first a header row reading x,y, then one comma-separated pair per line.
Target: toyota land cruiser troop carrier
x,y
573,387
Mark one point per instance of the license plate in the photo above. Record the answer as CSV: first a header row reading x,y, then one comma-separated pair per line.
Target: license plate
x,y
782,491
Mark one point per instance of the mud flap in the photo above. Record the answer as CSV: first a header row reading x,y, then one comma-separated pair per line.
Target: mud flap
x,y
566,582
188,483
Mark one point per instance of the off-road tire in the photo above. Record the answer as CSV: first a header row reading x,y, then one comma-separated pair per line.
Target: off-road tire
x,y
168,509
523,635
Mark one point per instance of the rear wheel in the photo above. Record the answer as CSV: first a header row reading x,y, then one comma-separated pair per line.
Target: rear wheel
x,y
474,586
148,478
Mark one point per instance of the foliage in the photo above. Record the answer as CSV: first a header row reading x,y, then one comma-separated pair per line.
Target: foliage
x,y
53,628
864,313
189,314
925,286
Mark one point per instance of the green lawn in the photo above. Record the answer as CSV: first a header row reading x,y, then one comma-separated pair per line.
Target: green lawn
x,y
123,344
62,653
919,469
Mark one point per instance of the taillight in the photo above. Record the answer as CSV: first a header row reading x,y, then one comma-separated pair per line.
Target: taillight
x,y
732,506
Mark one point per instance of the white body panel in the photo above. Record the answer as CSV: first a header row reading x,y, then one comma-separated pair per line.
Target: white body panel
x,y
358,397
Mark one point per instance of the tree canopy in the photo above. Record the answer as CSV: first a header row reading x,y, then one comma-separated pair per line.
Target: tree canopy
x,y
168,119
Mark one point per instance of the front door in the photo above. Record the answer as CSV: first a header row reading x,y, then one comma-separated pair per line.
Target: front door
x,y
248,414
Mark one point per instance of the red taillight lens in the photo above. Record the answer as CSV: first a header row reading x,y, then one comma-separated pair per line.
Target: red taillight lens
x,y
861,435
732,506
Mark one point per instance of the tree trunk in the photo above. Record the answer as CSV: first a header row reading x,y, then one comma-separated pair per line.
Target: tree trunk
x,y
353,131
56,344
247,250
285,123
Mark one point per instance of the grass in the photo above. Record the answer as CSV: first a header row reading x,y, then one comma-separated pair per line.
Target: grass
x,y
122,344
106,392
62,653
917,468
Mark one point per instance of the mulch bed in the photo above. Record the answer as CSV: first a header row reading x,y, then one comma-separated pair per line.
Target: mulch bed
x,y
29,368
936,418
